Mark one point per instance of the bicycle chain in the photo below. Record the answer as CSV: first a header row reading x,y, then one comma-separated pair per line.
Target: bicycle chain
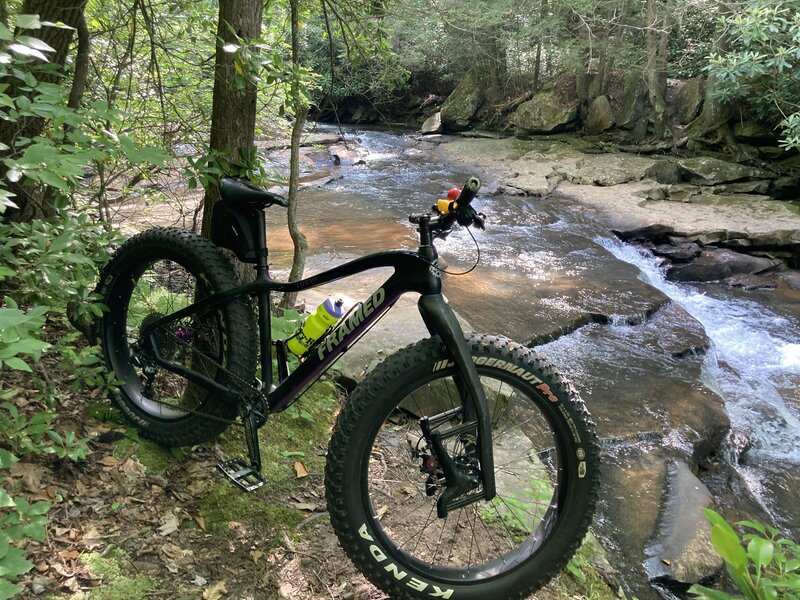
x,y
233,375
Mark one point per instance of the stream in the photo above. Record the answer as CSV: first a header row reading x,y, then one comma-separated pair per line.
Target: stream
x,y
655,361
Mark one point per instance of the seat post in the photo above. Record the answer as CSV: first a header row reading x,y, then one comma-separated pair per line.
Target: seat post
x,y
264,304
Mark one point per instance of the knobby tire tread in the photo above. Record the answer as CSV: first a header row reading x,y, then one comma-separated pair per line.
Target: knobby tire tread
x,y
203,258
373,389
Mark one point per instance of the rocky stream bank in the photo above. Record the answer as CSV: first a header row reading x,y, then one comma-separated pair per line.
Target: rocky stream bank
x,y
664,434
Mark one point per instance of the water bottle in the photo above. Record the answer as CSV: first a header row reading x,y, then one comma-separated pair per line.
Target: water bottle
x,y
323,318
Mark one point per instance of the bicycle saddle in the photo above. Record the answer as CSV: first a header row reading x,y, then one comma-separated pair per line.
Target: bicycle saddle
x,y
245,193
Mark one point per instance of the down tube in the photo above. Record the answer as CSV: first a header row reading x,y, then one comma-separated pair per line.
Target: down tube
x,y
328,350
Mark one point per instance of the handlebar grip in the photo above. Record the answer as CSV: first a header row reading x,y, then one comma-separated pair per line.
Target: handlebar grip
x,y
468,192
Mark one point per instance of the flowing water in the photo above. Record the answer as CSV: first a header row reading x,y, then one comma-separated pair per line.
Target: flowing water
x,y
645,354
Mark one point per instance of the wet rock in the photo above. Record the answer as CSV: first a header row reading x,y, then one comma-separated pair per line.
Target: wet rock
x,y
790,278
682,551
460,106
711,171
600,117
433,124
682,252
546,112
689,100
751,282
635,91
760,186
664,171
754,132
716,265
346,157
648,233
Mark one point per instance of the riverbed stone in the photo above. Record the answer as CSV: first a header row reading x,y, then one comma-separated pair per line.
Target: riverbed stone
x,y
608,169
682,252
682,551
461,105
664,171
689,100
719,264
433,124
546,112
711,171
600,117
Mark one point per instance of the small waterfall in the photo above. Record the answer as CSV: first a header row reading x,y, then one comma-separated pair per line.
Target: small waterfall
x,y
755,361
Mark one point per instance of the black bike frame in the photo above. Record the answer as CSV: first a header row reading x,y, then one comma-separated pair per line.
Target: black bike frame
x,y
413,272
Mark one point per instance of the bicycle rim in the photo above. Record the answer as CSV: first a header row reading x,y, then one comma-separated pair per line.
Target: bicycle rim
x,y
157,289
483,539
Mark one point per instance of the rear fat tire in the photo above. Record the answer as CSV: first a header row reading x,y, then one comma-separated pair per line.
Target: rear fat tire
x,y
371,543
200,258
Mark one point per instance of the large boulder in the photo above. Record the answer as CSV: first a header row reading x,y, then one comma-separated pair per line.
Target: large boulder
x,y
705,170
682,551
633,106
546,112
600,117
689,100
716,265
432,124
463,103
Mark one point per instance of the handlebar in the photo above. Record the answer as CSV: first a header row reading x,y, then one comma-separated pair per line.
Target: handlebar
x,y
445,213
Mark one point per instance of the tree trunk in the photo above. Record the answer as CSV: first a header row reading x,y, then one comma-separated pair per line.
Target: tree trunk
x,y
655,72
233,108
31,203
81,70
300,112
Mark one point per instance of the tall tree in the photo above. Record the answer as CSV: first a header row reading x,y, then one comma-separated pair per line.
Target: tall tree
x,y
300,109
656,37
70,12
233,112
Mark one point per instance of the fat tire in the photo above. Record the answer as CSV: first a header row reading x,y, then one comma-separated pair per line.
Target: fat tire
x,y
351,444
205,261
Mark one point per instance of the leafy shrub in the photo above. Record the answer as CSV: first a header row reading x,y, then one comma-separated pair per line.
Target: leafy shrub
x,y
19,520
762,564
762,67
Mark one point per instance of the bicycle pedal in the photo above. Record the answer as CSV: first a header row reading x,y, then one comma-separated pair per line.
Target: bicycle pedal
x,y
242,474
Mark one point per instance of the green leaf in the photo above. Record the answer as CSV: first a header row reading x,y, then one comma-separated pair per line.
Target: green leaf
x,y
14,564
28,22
6,501
727,544
7,459
760,552
700,591
6,34
18,364
8,589
32,42
26,51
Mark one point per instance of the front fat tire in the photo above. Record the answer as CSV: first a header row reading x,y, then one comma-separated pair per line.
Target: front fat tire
x,y
199,258
364,450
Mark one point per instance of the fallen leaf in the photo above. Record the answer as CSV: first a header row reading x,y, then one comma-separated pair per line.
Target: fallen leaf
x,y
170,525
382,511
305,506
201,522
133,468
199,581
42,567
108,461
68,555
256,555
216,591
30,474
300,469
